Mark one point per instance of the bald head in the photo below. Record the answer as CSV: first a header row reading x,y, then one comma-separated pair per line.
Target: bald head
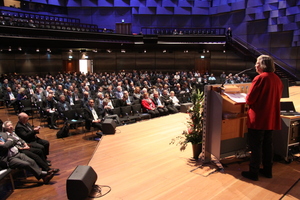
x,y
23,117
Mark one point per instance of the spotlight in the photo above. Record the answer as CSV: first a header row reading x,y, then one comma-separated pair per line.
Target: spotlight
x,y
20,49
70,50
203,50
164,51
145,51
95,50
207,51
185,51
123,51
37,50
9,48
224,51
70,57
49,50
108,51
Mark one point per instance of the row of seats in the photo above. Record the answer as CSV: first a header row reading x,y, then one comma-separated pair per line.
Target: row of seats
x,y
38,16
49,22
192,31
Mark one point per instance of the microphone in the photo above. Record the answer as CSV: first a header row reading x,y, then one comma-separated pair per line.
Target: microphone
x,y
246,70
239,74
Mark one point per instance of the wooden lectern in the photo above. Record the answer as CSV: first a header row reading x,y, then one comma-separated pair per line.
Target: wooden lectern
x,y
224,121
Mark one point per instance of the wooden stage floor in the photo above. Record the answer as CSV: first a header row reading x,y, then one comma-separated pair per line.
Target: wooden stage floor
x,y
138,163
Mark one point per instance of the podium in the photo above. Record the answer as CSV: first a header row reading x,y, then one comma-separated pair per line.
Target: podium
x,y
123,28
224,122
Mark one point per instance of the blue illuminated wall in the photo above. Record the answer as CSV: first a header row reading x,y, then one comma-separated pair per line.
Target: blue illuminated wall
x,y
272,25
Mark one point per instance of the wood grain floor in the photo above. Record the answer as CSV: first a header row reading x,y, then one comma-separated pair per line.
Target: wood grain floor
x,y
138,163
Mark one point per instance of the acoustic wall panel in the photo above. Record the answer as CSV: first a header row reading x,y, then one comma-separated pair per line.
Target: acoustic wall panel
x,y
224,8
57,2
137,3
238,5
122,3
147,10
169,3
73,3
200,11
89,3
203,4
185,3
153,3
182,11
254,3
165,11
292,10
106,3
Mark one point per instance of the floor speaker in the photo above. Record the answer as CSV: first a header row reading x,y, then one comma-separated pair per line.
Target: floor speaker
x,y
81,182
109,126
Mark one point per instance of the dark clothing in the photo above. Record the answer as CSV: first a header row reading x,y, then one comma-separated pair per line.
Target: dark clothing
x,y
52,116
26,132
17,159
261,146
88,116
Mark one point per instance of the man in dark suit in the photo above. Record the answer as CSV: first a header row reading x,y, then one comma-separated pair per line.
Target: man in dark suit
x,y
70,98
14,159
168,102
29,134
34,153
92,116
159,104
10,98
63,105
49,107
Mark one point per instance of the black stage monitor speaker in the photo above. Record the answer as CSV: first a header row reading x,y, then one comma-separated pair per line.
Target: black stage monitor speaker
x,y
81,182
109,126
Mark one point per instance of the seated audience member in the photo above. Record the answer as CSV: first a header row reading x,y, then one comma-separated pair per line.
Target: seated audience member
x,y
34,153
107,103
137,95
77,96
168,102
58,92
21,94
30,90
49,107
63,105
108,113
212,79
37,97
149,106
119,93
126,100
70,98
29,134
92,116
178,89
159,104
175,100
14,159
85,98
99,100
11,99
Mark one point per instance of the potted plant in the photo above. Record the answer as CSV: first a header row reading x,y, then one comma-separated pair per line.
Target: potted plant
x,y
194,131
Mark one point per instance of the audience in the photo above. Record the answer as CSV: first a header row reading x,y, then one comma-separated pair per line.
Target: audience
x,y
64,91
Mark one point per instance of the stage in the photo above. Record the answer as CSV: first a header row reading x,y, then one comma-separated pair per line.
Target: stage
x,y
139,163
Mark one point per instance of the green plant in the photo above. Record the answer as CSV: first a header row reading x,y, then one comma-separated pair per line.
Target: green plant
x,y
194,131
